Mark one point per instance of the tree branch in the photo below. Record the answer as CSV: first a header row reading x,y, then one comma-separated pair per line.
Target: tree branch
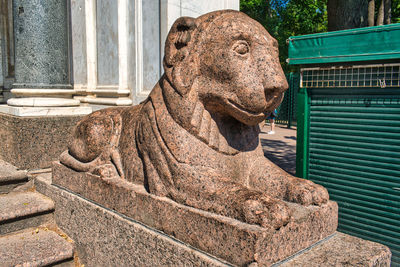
x,y
388,12
371,13
379,19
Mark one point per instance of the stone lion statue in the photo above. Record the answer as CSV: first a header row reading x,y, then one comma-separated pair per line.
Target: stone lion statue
x,y
195,139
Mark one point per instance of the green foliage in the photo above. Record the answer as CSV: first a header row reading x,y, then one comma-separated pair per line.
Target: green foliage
x,y
256,9
395,11
285,18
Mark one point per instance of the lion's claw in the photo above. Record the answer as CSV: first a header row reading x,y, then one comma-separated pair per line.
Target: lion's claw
x,y
307,193
267,212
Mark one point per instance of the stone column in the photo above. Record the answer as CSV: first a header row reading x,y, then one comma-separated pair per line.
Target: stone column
x,y
42,65
36,124
6,50
1,69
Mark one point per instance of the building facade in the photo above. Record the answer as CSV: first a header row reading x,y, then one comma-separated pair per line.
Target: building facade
x,y
63,59
100,52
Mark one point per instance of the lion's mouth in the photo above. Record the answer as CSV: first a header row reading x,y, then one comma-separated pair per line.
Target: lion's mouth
x,y
275,100
243,109
251,117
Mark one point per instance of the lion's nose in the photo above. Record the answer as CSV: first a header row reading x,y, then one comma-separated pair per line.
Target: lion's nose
x,y
277,84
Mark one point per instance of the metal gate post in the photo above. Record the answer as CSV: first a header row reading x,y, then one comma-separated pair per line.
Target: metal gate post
x,y
303,112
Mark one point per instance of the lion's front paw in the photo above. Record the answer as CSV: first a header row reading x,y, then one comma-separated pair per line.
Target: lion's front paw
x,y
306,192
266,211
106,171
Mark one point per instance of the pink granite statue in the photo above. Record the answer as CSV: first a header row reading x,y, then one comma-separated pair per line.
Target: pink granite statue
x,y
195,139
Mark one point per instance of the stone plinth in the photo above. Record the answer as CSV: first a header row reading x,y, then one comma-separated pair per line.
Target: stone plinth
x,y
105,238
342,250
226,238
32,142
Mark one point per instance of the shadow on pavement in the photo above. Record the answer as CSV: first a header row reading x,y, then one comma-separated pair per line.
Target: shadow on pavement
x,y
280,148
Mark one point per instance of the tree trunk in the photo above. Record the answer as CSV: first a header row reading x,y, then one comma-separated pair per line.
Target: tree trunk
x,y
371,13
379,19
345,14
388,12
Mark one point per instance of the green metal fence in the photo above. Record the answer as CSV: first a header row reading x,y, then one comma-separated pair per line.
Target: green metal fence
x,y
348,126
287,109
350,143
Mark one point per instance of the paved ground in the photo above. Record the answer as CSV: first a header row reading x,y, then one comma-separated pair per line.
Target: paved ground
x,y
280,147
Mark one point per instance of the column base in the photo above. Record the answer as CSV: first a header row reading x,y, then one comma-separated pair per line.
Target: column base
x,y
43,102
45,111
44,106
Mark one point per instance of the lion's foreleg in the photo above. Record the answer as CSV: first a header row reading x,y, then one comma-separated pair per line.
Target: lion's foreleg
x,y
223,197
70,161
271,179
116,160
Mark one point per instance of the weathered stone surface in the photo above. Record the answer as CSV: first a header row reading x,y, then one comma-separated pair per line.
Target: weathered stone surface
x,y
105,238
35,247
33,142
11,177
345,251
195,139
236,242
20,210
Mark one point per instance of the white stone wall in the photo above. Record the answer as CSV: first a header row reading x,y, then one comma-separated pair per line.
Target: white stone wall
x,y
117,45
174,9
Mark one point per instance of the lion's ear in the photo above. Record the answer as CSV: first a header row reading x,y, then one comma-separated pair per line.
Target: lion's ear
x,y
180,67
178,39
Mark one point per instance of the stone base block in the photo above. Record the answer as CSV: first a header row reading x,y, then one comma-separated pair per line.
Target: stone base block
x,y
231,240
342,250
105,238
34,142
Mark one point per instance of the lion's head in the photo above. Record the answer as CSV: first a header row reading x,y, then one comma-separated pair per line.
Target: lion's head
x,y
230,60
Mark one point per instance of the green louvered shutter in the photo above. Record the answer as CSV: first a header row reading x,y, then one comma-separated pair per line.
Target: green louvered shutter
x,y
349,126
354,147
354,151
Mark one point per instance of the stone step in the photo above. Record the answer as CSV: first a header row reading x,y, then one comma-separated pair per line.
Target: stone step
x,y
36,247
19,210
341,250
11,177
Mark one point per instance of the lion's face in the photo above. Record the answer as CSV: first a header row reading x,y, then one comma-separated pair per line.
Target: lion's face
x,y
239,70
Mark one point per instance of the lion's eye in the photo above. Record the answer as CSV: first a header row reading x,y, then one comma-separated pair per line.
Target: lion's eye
x,y
241,47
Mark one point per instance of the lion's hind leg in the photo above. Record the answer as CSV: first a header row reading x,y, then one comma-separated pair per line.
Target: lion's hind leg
x,y
94,146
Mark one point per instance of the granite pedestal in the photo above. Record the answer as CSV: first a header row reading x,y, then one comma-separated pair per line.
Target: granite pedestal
x,y
225,238
115,222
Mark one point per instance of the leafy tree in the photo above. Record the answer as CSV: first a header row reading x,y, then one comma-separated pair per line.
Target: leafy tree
x,y
285,18
396,11
348,14
345,14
